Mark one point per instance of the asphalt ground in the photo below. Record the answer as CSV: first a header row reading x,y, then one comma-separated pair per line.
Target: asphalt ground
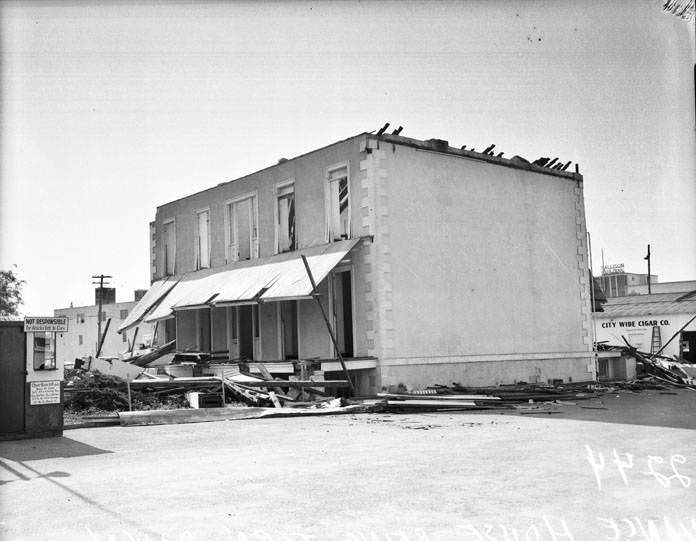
x,y
624,472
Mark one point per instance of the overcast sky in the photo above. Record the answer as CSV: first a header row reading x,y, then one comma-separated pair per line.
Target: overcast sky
x,y
110,109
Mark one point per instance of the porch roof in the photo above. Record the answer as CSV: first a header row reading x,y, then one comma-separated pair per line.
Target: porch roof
x,y
157,290
270,279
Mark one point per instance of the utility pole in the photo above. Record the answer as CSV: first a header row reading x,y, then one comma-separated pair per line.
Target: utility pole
x,y
101,284
648,258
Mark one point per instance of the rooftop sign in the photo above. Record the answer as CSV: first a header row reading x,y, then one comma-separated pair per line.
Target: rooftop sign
x,y
46,324
613,269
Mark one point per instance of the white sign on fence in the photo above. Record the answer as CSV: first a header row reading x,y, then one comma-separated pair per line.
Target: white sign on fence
x,y
44,392
46,324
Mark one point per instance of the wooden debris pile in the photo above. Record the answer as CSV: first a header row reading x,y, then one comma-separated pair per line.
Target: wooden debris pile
x,y
93,391
456,397
663,369
274,392
438,402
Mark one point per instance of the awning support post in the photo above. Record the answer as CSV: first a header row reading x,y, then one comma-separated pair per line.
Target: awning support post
x,y
102,337
154,335
328,325
132,346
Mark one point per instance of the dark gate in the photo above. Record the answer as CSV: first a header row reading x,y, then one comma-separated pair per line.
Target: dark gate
x,y
12,376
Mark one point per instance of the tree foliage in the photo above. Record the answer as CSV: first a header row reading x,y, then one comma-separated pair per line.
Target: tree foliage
x,y
10,292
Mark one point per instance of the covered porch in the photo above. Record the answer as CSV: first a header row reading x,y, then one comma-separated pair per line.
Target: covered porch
x,y
262,315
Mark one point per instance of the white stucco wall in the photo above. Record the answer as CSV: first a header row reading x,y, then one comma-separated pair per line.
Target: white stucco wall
x,y
478,264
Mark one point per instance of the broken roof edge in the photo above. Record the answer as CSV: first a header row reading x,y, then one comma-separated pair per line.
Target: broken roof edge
x,y
516,162
225,182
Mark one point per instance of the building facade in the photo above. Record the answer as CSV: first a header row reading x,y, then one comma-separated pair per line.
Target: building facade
x,y
663,287
435,265
649,322
81,340
615,282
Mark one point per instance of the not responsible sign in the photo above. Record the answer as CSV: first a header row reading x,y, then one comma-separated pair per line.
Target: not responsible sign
x,y
46,324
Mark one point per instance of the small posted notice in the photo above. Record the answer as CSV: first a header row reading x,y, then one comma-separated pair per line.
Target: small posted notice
x,y
45,392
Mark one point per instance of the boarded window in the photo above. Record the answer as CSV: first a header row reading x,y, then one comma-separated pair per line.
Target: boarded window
x,y
286,218
169,234
203,240
339,204
242,233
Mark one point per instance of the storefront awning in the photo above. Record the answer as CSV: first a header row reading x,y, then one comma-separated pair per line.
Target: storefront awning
x,y
179,291
277,278
157,290
292,281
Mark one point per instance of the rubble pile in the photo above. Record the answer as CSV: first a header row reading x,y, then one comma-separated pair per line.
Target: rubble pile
x,y
94,391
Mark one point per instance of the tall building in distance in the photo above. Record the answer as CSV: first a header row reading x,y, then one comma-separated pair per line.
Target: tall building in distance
x,y
616,282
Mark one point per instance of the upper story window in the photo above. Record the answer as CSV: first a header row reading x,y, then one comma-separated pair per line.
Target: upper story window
x,y
203,239
242,229
285,218
169,247
339,204
123,314
79,318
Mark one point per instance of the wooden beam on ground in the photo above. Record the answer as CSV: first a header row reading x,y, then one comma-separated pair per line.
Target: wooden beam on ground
x,y
262,368
431,403
410,397
331,383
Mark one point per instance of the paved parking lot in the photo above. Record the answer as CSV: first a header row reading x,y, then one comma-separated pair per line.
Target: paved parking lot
x,y
357,477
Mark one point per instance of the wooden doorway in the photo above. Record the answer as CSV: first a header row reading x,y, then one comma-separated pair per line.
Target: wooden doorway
x,y
288,330
342,295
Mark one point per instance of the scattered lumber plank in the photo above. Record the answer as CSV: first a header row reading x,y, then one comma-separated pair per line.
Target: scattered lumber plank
x,y
333,383
274,399
392,396
432,403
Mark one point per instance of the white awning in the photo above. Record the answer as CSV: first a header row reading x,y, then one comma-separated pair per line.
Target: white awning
x,y
179,291
201,295
293,282
277,278
157,290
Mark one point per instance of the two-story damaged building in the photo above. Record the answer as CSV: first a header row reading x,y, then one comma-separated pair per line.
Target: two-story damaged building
x,y
434,264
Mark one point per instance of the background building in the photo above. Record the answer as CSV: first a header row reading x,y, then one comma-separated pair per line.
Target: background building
x,y
663,287
435,264
615,282
81,338
647,322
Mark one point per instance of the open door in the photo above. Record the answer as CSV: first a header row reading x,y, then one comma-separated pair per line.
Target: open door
x,y
246,332
343,311
288,329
